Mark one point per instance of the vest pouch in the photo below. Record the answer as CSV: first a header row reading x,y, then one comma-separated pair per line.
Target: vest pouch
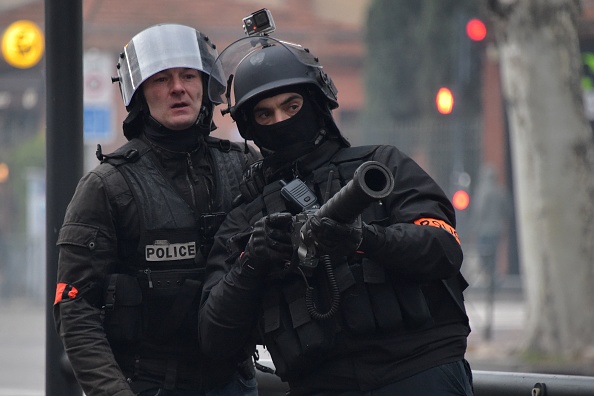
x,y
296,342
356,308
414,307
170,303
122,301
384,304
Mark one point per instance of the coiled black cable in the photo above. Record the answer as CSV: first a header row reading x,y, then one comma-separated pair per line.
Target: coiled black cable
x,y
309,302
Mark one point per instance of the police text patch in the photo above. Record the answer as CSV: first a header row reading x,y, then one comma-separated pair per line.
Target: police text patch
x,y
170,251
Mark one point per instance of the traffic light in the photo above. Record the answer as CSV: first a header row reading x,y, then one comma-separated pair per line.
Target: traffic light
x,y
444,100
4,172
460,188
476,30
461,199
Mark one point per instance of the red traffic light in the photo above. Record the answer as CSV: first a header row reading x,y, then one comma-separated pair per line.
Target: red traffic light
x,y
461,199
4,172
476,30
444,100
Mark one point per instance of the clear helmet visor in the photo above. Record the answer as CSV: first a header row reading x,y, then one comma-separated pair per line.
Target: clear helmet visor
x,y
162,47
249,49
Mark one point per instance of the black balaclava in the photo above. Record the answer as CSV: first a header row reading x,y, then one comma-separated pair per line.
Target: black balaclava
x,y
296,135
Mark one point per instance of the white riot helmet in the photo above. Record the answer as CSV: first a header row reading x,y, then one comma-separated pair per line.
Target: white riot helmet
x,y
162,47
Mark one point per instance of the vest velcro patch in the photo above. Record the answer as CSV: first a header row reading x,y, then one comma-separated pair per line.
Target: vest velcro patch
x,y
439,224
165,251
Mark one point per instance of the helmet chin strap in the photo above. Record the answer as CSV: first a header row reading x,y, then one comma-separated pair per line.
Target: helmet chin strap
x,y
202,115
204,121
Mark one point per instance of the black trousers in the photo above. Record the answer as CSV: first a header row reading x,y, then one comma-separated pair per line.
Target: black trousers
x,y
450,379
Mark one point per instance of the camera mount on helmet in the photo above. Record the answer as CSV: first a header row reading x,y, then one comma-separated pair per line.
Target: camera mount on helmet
x,y
265,63
258,65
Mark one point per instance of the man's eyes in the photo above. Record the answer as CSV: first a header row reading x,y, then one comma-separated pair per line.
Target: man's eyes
x,y
187,76
262,114
158,78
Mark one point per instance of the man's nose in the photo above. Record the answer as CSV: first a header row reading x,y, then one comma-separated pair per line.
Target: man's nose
x,y
280,115
177,84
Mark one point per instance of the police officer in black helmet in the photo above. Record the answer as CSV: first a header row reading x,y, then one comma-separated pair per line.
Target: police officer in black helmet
x,y
137,232
382,312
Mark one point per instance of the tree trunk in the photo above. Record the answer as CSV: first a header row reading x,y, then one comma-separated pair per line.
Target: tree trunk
x,y
553,167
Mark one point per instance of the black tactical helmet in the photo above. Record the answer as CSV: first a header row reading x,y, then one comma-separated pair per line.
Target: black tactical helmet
x,y
158,48
259,66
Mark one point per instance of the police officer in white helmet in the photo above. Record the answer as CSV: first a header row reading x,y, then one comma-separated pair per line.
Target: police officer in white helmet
x,y
137,232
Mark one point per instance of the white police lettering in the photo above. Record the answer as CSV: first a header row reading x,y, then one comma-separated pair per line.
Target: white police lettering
x,y
165,251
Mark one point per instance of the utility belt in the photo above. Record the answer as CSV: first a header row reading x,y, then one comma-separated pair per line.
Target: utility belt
x,y
195,372
158,305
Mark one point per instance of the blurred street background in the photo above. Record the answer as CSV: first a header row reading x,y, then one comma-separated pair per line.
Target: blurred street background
x,y
441,103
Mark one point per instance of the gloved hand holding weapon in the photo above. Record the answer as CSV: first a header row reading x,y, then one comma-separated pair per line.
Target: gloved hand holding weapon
x,y
334,229
270,244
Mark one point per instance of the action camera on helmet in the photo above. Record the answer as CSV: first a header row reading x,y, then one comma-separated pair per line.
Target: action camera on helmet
x,y
260,23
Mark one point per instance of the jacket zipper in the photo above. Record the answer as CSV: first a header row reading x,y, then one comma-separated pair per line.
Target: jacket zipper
x,y
189,174
148,275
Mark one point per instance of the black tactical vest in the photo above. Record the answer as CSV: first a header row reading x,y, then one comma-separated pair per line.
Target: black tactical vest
x,y
371,302
154,297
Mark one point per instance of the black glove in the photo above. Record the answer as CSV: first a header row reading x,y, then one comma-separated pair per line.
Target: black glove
x,y
331,237
373,240
270,243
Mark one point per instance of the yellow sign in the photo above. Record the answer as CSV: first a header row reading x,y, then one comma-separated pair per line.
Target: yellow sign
x,y
22,44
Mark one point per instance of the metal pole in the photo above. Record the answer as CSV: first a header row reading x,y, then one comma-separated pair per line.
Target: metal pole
x,y
488,261
64,148
492,383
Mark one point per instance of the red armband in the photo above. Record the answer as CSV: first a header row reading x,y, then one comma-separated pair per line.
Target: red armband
x,y
65,291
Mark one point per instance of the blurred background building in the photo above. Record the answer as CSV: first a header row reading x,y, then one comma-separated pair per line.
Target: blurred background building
x,y
453,148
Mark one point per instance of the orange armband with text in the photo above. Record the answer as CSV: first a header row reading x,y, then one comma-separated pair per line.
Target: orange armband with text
x,y
426,221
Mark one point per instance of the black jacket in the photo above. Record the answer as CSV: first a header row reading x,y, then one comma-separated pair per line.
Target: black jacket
x,y
402,308
105,224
